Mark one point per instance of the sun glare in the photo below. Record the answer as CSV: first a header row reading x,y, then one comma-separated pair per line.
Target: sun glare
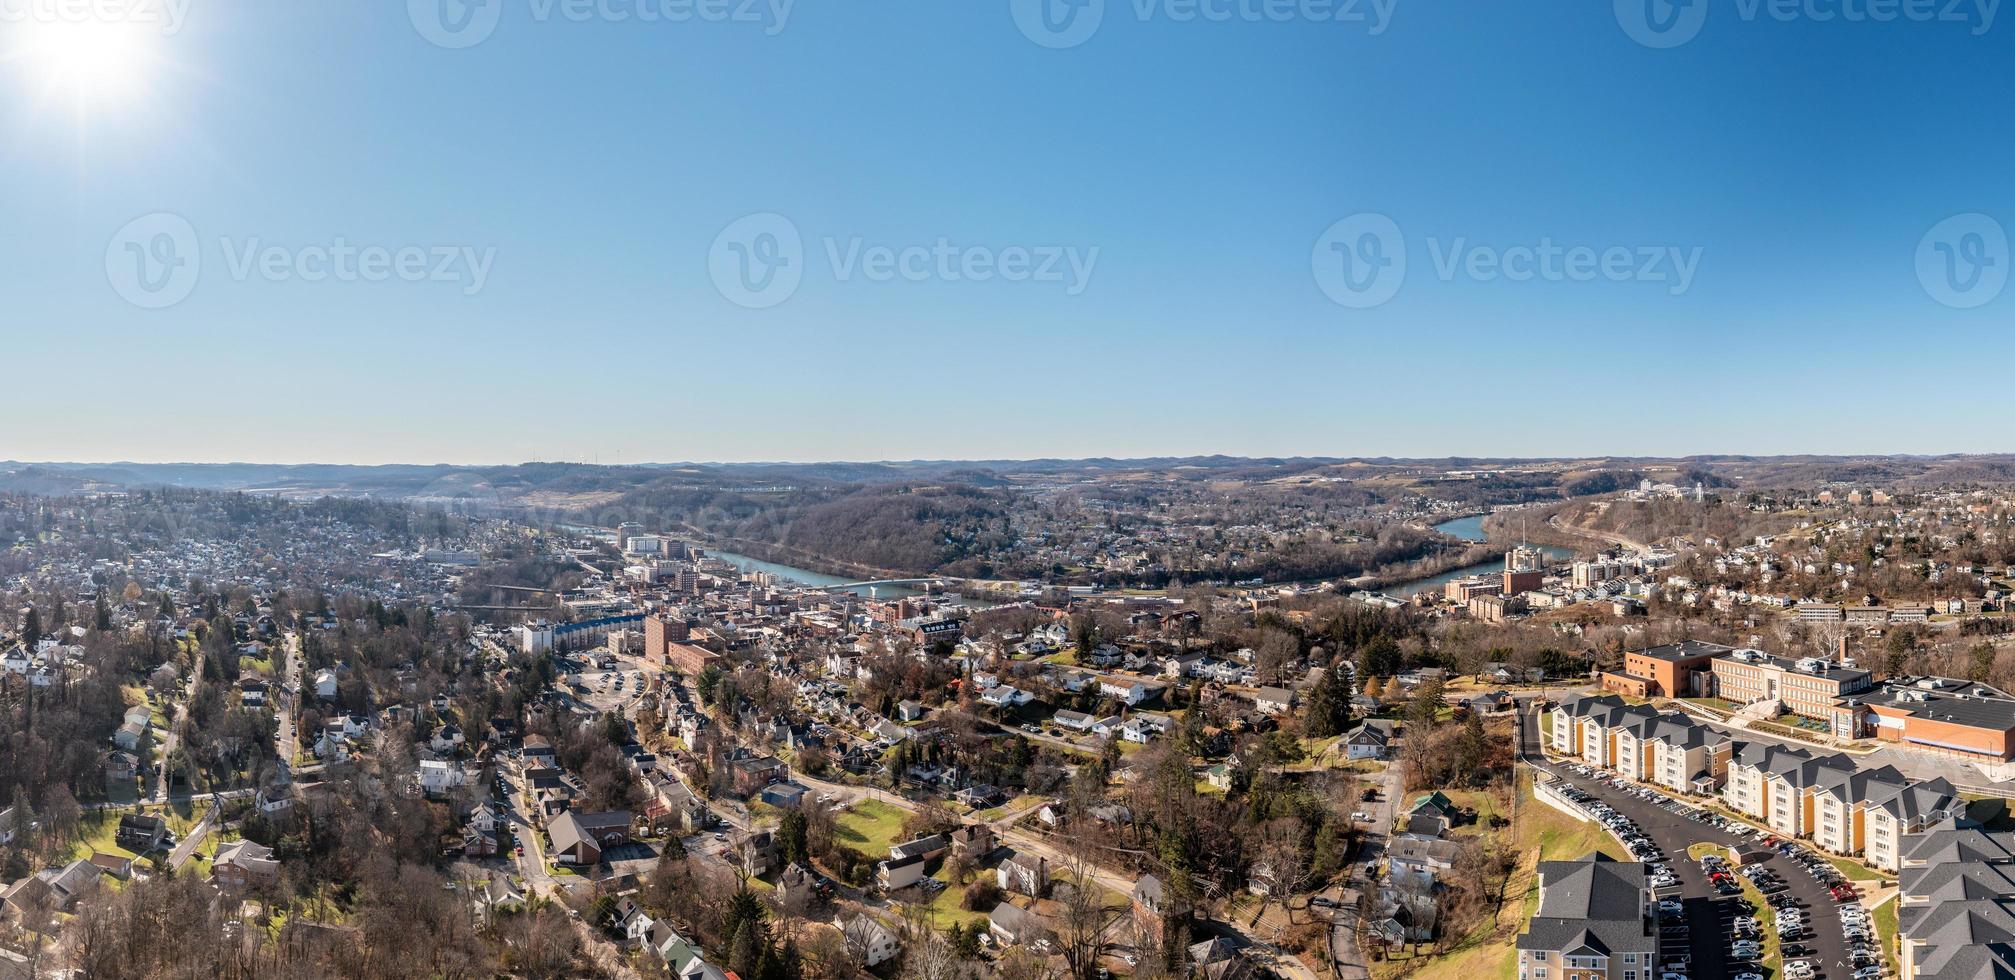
x,y
88,63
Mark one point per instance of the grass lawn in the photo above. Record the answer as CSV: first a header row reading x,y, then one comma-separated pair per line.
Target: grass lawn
x,y
1546,727
98,831
870,828
254,665
1885,932
945,911
1855,870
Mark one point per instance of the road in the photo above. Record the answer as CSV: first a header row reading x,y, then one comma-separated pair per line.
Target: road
x,y
286,742
1706,915
187,848
1346,954
173,739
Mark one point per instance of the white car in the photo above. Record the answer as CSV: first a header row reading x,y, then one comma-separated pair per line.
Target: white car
x,y
1748,976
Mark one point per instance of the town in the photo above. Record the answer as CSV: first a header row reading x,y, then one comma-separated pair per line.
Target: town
x,y
321,732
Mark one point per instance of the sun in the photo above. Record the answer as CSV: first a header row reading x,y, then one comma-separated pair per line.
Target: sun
x,y
89,63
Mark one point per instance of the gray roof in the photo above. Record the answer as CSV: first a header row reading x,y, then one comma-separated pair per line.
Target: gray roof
x,y
1595,903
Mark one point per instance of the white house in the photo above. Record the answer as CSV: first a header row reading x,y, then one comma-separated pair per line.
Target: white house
x,y
325,685
869,942
438,777
1130,692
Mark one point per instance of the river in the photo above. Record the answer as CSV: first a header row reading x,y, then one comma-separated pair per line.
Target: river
x,y
1469,529
806,576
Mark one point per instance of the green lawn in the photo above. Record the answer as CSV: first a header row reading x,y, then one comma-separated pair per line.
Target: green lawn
x,y
871,828
1855,870
98,831
254,665
1885,932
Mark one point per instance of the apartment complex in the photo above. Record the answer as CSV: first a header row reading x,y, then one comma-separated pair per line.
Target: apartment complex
x,y
1823,797
1956,904
1593,923
1668,749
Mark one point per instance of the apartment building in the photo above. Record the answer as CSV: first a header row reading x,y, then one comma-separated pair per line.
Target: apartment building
x,y
1809,687
1840,807
1668,749
1955,905
1593,923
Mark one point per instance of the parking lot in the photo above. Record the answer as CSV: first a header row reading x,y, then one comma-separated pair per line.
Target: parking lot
x,y
1705,939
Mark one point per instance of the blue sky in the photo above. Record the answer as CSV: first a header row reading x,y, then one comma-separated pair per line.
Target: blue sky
x,y
599,170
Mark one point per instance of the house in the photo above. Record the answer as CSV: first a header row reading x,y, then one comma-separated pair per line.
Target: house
x,y
119,767
911,711
130,736
437,777
869,942
1491,703
1274,700
244,863
325,685
1024,874
76,880
1011,925
1005,696
7,826
758,851
974,841
1370,740
980,797
927,848
573,843
1128,692
1219,777
1076,721
898,873
1157,913
141,833
537,751
501,896
117,865
1422,859
786,796
446,739
752,773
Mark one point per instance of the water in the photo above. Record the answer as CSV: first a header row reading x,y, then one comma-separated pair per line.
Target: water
x,y
1468,529
806,576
